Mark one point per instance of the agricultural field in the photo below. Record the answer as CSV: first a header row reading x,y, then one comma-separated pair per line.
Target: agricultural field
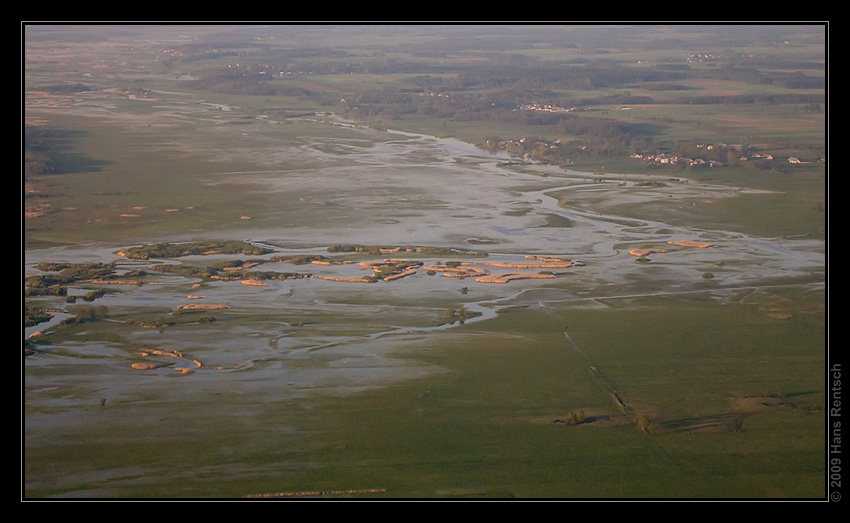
x,y
424,262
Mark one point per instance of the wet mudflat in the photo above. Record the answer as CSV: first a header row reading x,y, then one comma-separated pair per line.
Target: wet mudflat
x,y
222,397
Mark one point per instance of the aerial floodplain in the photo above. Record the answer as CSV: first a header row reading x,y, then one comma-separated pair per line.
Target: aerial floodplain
x,y
453,261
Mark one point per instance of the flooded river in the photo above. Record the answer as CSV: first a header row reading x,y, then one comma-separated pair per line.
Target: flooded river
x,y
298,338
419,190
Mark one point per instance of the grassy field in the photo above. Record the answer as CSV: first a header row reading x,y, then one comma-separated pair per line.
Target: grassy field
x,y
719,386
497,412
488,425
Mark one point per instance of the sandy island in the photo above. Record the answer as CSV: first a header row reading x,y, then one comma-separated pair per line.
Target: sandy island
x,y
505,278
690,243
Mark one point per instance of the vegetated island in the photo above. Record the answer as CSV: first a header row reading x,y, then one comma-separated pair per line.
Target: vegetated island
x,y
56,277
176,250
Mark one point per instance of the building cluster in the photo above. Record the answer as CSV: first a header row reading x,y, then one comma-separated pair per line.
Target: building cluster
x,y
662,158
550,108
735,152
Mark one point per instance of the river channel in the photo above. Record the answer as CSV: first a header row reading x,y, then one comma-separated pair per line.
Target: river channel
x,y
430,191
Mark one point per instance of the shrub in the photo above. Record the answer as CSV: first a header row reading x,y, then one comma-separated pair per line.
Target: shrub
x,y
576,417
642,423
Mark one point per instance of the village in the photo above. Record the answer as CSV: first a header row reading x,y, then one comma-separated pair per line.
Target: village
x,y
734,153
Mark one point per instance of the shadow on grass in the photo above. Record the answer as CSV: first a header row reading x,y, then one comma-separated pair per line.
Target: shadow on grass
x,y
50,151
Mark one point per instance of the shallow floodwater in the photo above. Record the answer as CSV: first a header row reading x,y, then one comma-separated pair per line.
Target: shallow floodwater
x,y
419,190
297,338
